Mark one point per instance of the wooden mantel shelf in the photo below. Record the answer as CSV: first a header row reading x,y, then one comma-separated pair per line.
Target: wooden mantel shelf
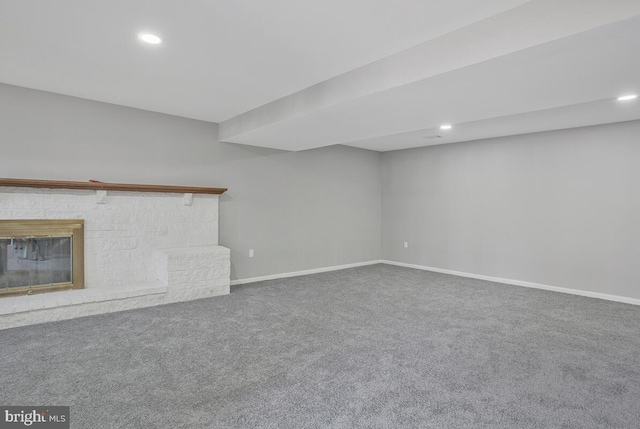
x,y
103,186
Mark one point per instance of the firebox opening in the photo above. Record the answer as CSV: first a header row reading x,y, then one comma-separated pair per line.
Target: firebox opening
x,y
40,255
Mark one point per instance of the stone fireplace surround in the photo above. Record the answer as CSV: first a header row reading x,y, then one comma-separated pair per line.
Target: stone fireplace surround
x,y
141,249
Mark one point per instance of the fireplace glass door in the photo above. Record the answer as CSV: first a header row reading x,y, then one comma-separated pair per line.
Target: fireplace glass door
x,y
39,256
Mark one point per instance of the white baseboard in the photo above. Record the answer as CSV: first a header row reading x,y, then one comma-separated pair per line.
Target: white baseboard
x,y
302,273
513,282
598,295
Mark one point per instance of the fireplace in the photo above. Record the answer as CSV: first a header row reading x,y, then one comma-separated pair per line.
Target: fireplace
x,y
136,246
38,256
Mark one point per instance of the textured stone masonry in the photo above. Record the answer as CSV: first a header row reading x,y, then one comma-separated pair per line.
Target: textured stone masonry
x,y
141,249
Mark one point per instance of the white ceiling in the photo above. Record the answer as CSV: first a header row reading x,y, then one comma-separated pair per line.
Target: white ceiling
x,y
219,58
293,74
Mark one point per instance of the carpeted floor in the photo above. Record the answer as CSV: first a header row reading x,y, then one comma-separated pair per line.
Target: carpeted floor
x,y
371,347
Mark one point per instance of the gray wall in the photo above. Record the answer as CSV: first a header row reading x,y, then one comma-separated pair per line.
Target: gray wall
x,y
559,208
298,210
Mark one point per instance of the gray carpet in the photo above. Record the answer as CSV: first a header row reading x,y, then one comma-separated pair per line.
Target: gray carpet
x,y
375,347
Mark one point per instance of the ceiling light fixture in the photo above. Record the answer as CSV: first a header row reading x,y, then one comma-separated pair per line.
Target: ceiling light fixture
x,y
446,127
627,97
152,39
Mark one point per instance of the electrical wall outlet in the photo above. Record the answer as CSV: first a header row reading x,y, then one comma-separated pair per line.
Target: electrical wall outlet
x,y
251,253
406,244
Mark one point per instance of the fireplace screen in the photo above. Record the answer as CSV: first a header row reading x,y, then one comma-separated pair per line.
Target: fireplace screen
x,y
40,256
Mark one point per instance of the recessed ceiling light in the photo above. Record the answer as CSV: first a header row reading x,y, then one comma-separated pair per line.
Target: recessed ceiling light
x,y
627,97
445,127
150,38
